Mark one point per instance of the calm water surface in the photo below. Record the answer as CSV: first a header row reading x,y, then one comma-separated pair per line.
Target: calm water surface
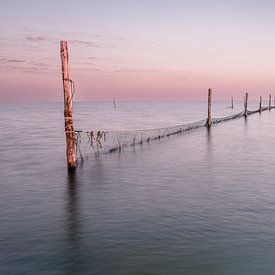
x,y
198,203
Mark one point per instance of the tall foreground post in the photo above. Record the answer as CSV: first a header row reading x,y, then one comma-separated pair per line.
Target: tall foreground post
x,y
245,104
68,106
209,108
260,105
269,107
232,103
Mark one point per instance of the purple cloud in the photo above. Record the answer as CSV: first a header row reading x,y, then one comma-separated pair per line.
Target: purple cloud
x,y
84,43
37,38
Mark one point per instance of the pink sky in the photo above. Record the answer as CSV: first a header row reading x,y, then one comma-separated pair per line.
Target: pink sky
x,y
139,50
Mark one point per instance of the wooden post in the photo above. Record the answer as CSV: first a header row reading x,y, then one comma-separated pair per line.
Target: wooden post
x,y
209,108
245,104
269,107
114,101
232,105
260,105
274,102
68,106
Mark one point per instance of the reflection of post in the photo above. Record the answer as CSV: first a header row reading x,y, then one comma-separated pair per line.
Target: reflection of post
x,y
68,106
72,231
232,105
209,150
72,205
209,108
269,107
245,104
260,105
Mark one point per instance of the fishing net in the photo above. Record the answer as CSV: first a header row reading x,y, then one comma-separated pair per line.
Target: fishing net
x,y
223,119
112,141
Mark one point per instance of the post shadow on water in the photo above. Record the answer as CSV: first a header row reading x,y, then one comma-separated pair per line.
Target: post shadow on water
x,y
209,143
73,247
79,254
72,209
208,136
246,126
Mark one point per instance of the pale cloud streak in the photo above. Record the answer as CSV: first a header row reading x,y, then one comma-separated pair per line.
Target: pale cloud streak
x,y
37,38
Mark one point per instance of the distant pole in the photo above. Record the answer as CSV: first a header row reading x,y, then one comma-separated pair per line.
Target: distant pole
x,y
68,106
269,102
245,104
209,108
114,101
232,104
274,102
260,105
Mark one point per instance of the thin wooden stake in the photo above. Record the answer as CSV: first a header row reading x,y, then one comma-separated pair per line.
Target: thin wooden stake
x,y
245,104
260,105
114,103
68,106
232,104
269,107
209,108
274,102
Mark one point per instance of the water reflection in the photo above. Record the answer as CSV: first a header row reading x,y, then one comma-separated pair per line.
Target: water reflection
x,y
73,245
245,126
208,144
72,225
200,203
209,136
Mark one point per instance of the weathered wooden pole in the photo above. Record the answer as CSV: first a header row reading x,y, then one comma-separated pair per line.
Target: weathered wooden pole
x,y
269,105
208,124
68,106
245,104
232,104
260,104
274,102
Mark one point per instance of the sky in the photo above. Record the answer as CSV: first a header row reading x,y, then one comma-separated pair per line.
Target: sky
x,y
137,49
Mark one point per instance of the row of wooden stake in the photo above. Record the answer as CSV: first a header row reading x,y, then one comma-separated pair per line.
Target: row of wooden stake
x,y
209,119
68,108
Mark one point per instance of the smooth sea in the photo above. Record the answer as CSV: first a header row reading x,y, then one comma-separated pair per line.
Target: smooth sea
x,y
202,202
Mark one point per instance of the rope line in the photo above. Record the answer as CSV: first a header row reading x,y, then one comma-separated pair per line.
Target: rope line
x,y
72,88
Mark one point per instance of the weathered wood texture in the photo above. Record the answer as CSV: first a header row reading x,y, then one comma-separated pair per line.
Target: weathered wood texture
x,y
209,108
68,106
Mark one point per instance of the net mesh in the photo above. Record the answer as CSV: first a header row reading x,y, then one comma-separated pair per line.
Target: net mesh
x,y
223,119
111,141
